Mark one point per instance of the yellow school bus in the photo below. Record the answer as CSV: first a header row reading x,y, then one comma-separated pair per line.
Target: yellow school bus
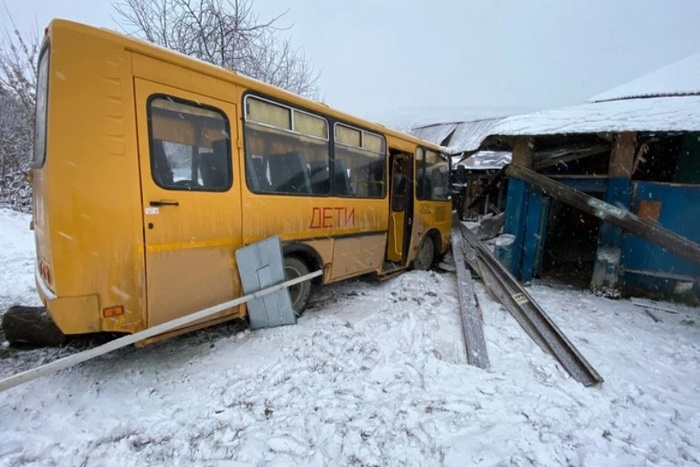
x,y
152,168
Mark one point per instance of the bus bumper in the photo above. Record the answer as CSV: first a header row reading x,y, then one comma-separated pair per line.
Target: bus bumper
x,y
72,315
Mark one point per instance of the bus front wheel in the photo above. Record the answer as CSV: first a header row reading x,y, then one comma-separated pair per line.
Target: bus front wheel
x,y
426,255
299,293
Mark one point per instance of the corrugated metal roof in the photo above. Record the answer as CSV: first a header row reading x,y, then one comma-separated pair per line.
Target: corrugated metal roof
x,y
665,100
484,160
466,136
435,133
469,135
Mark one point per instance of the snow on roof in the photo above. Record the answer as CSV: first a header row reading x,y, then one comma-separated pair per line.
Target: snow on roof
x,y
411,118
469,135
463,136
435,133
681,78
647,114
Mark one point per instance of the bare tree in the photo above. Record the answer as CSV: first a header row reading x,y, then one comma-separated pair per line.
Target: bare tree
x,y
18,77
223,32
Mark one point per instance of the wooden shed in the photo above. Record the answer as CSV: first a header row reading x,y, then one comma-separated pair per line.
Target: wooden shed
x,y
636,147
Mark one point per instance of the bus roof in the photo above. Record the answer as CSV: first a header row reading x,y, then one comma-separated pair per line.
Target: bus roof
x,y
161,53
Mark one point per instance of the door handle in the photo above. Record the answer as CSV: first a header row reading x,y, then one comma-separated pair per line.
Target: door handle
x,y
164,202
425,210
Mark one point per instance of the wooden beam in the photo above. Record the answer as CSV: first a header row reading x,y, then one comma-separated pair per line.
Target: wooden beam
x,y
622,155
624,219
572,156
522,152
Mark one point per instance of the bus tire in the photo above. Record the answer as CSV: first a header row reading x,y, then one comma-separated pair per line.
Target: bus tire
x,y
299,293
426,254
31,325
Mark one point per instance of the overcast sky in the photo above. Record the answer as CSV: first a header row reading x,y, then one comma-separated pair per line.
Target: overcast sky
x,y
378,56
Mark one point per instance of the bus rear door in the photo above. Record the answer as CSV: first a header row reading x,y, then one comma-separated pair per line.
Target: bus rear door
x,y
191,200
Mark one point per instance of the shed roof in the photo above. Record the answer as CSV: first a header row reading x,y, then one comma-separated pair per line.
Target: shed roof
x,y
667,99
681,78
458,137
680,113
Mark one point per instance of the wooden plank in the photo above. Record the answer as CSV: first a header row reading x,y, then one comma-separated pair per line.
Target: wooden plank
x,y
74,359
652,232
472,328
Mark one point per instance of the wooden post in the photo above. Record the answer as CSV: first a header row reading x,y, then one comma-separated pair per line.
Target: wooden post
x,y
517,207
622,155
608,254
522,152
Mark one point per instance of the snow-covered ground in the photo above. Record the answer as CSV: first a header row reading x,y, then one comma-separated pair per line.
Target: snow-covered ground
x,y
374,374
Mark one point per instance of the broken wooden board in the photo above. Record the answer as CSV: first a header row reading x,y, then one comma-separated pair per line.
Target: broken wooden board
x,y
502,285
472,328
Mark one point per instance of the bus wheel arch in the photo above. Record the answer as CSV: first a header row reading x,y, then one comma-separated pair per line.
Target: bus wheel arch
x,y
428,249
300,260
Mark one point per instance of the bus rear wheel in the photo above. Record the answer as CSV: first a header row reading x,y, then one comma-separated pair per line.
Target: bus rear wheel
x,y
299,293
426,255
31,325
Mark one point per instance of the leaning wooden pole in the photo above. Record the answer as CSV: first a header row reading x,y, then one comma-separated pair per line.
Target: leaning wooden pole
x,y
652,232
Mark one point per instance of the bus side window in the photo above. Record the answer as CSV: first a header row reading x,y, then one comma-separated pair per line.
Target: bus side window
x,y
214,165
286,149
256,175
190,146
320,177
341,179
289,174
162,173
360,161
433,172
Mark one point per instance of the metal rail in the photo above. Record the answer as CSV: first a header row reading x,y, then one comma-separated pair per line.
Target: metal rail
x,y
526,311
472,328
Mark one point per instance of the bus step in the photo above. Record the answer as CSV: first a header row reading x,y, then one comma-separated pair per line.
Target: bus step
x,y
390,270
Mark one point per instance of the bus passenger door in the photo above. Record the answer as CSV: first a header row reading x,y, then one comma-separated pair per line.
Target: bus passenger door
x,y
190,200
401,207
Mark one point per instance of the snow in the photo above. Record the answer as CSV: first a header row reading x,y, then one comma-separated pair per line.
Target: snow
x,y
667,99
458,137
677,79
17,258
648,114
374,374
410,118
